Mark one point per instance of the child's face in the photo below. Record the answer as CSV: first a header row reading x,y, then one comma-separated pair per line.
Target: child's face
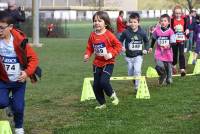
x,y
99,24
4,30
178,13
164,22
133,23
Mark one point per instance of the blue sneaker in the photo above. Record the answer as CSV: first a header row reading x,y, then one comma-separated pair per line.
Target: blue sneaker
x,y
194,62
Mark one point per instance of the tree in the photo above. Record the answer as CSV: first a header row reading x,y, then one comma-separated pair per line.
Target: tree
x,y
188,4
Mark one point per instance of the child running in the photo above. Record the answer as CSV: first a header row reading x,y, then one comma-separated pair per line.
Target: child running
x,y
164,37
178,24
134,37
17,62
103,43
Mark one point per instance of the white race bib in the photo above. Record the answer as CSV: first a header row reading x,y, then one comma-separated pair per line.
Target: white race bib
x,y
180,36
100,49
135,45
12,65
163,41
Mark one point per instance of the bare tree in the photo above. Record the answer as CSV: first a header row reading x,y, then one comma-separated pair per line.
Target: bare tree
x,y
188,4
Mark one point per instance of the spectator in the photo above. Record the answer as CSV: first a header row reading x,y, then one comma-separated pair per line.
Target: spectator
x,y
17,13
121,24
190,22
51,30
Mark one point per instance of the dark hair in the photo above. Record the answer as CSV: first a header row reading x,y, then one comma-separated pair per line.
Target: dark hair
x,y
165,16
104,16
121,12
134,15
5,17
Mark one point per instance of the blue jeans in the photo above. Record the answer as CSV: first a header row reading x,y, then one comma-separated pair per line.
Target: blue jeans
x,y
190,41
134,67
102,82
16,102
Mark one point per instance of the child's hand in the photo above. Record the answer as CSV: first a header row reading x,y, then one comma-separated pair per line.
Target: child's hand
x,y
123,49
187,31
150,50
86,58
107,56
23,76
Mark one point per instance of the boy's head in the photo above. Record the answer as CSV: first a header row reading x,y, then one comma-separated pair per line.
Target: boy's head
x,y
164,20
121,13
134,20
5,24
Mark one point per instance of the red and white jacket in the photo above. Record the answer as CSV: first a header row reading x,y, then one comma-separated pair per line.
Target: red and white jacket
x,y
111,44
27,57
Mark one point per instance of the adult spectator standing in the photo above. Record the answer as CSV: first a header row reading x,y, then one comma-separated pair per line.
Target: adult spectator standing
x,y
190,22
121,24
17,13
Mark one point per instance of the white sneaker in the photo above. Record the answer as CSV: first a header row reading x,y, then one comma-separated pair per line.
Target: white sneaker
x,y
101,106
114,99
19,131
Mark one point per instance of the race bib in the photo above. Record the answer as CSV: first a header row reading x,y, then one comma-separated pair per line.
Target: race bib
x,y
135,45
11,64
163,41
180,36
100,49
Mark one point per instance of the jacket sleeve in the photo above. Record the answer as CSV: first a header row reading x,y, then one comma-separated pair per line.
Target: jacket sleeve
x,y
89,49
32,60
146,41
117,46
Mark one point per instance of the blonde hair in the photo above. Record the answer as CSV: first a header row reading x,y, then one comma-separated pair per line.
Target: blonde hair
x,y
177,7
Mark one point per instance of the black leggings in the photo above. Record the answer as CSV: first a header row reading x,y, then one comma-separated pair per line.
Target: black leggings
x,y
102,82
178,48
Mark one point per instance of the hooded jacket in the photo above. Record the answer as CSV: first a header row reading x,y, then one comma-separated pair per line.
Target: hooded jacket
x,y
27,57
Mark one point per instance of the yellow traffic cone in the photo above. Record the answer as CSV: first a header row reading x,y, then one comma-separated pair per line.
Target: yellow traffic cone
x,y
5,127
151,72
87,91
143,92
190,59
197,67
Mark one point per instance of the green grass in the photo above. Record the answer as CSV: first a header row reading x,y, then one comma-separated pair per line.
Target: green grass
x,y
53,104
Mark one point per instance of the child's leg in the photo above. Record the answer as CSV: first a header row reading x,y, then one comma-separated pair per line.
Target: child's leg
x,y
175,54
4,95
105,79
181,55
129,65
137,69
168,68
98,91
160,68
18,103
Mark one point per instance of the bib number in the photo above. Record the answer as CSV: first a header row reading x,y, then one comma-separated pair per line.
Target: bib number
x,y
133,46
100,49
180,36
11,65
12,68
163,41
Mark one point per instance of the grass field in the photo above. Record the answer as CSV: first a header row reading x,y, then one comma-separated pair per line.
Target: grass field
x,y
53,104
